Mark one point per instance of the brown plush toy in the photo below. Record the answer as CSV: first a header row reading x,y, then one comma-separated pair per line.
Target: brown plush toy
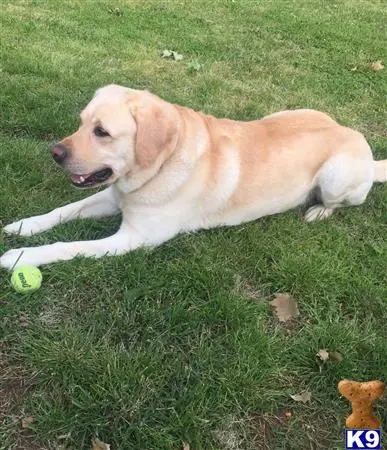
x,y
362,396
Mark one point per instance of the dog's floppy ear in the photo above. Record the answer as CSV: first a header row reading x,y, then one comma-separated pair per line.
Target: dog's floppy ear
x,y
157,129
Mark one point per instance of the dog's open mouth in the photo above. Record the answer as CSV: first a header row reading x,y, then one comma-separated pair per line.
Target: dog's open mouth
x,y
91,179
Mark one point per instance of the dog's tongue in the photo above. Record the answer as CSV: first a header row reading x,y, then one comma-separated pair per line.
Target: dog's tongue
x,y
79,178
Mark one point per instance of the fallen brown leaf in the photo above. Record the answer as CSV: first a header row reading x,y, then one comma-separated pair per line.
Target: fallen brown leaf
x,y
285,307
166,53
27,421
304,397
64,436
323,354
171,54
377,65
186,446
335,357
99,445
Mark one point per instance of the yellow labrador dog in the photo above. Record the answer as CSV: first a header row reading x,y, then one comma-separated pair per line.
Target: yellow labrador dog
x,y
173,170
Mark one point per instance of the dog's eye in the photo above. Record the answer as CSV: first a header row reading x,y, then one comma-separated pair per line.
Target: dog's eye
x,y
100,132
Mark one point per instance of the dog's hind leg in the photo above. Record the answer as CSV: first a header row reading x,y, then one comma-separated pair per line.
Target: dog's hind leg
x,y
342,180
98,205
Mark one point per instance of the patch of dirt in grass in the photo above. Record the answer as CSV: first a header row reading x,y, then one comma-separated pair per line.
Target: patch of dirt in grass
x,y
255,432
247,290
51,317
14,385
302,428
262,429
229,436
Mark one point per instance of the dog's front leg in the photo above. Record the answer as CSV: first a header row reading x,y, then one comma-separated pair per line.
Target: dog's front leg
x,y
98,205
124,240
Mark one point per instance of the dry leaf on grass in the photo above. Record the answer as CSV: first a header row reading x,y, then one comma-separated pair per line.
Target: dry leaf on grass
x,y
115,11
166,54
304,397
324,355
285,307
377,65
177,56
27,421
170,54
64,436
99,445
335,357
186,446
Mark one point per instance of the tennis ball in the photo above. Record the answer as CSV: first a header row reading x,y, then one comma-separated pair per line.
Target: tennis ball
x,y
26,279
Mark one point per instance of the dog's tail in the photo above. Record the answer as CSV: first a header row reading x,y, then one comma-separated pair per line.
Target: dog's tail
x,y
380,174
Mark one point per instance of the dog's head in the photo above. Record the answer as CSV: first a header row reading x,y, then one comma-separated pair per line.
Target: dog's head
x,y
123,132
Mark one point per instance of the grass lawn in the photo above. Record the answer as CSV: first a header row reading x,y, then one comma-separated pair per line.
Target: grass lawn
x,y
176,344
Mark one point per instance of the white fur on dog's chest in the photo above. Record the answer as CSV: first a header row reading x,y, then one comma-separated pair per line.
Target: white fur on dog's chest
x,y
181,203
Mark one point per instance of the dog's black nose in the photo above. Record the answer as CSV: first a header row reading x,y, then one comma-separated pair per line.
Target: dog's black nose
x,y
59,153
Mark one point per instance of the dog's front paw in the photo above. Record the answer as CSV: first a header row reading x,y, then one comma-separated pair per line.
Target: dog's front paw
x,y
24,227
15,258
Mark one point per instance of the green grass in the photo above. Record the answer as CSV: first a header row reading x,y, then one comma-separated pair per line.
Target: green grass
x,y
179,344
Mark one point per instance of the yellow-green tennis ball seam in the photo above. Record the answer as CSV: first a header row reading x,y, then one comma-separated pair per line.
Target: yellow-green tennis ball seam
x,y
26,279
